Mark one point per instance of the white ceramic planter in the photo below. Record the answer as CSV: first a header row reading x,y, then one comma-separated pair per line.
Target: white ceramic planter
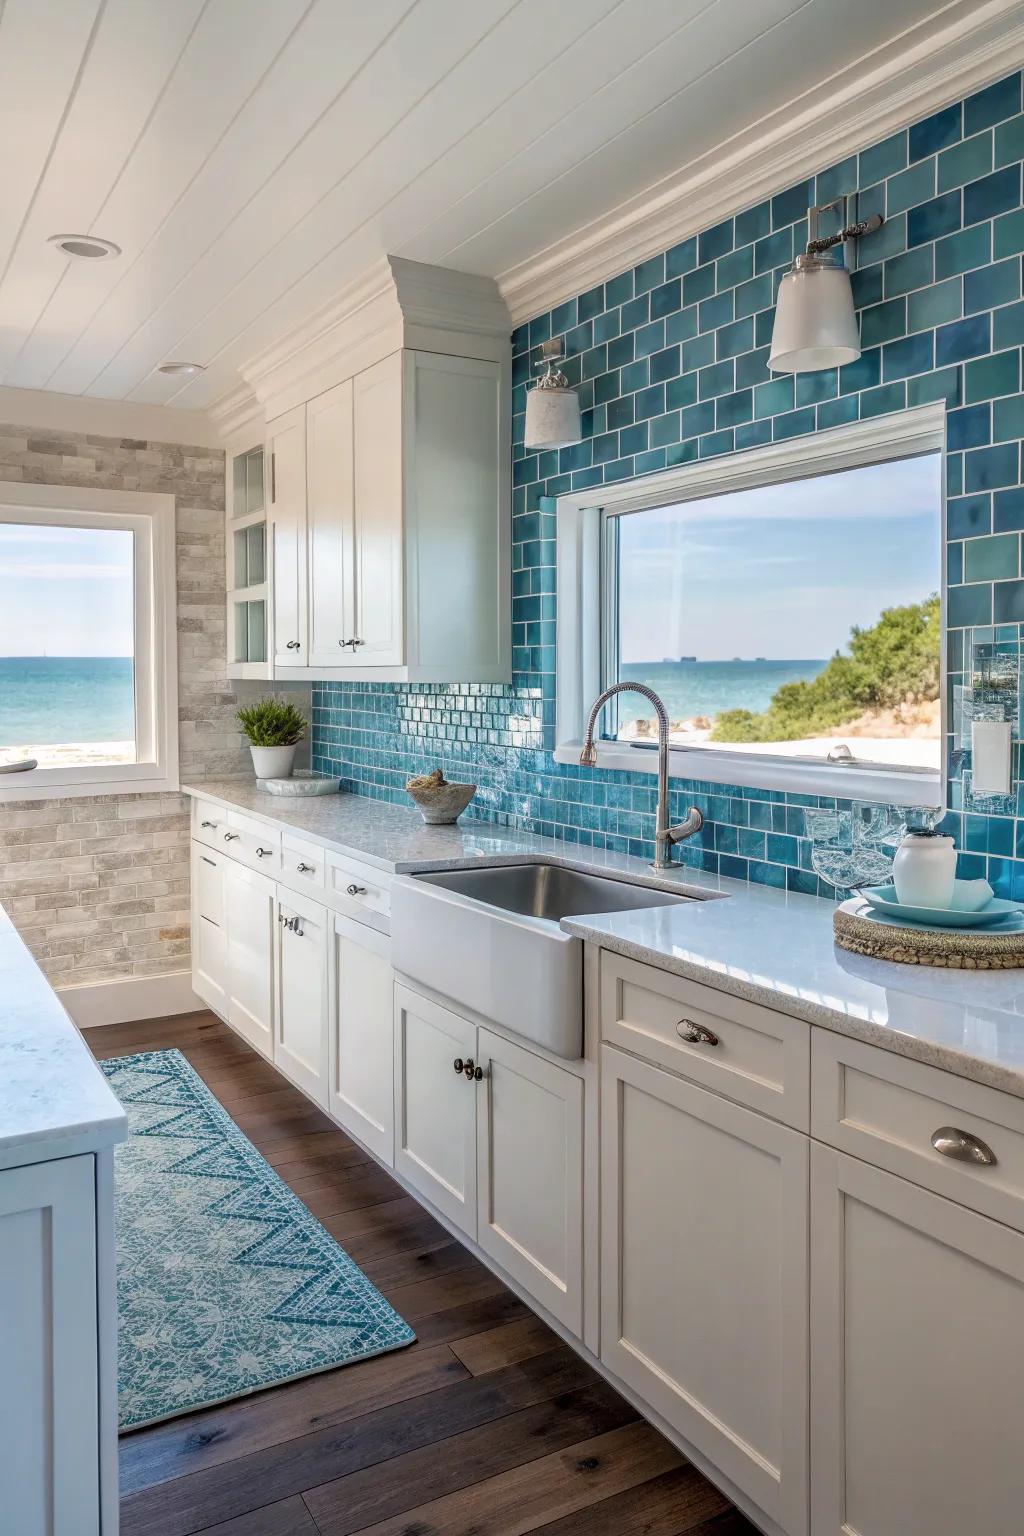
x,y
273,762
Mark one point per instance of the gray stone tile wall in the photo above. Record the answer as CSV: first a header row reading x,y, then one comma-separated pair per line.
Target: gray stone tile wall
x,y
99,886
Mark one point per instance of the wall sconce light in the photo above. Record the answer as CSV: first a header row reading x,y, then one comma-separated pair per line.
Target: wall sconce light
x,y
815,324
552,408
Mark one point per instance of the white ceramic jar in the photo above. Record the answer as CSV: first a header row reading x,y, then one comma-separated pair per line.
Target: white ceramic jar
x,y
924,870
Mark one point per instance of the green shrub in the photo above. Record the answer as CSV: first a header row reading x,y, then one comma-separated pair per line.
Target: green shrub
x,y
895,660
272,723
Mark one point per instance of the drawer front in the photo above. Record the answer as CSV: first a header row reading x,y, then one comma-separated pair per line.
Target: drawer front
x,y
358,889
886,1110
302,864
252,843
207,884
751,1054
209,823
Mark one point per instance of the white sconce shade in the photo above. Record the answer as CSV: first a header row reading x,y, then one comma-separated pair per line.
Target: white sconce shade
x,y
815,324
552,408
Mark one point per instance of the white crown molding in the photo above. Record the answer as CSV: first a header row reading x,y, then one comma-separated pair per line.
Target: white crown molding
x,y
236,413
937,62
394,303
52,412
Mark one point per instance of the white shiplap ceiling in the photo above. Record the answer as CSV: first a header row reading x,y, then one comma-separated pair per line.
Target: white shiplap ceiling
x,y
253,157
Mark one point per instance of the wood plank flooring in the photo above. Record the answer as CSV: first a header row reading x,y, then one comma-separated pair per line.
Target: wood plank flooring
x,y
489,1425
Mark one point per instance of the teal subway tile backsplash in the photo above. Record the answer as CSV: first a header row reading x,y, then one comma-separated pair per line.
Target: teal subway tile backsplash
x,y
671,361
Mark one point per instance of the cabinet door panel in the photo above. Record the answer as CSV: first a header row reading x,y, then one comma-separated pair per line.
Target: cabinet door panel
x,y
249,921
377,411
530,1174
435,1106
209,939
329,511
704,1275
286,444
300,1045
49,1416
362,1030
917,1350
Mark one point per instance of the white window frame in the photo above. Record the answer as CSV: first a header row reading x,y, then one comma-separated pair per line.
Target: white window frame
x,y
580,636
150,517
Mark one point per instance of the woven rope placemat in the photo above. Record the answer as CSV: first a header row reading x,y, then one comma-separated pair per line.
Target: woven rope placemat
x,y
959,950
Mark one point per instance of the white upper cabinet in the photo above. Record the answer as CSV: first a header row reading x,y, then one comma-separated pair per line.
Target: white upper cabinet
x,y
286,451
329,511
378,636
390,491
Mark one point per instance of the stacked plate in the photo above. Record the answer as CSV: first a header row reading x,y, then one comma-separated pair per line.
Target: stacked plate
x,y
972,908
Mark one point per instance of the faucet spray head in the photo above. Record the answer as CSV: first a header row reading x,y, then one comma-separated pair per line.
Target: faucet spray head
x,y
588,757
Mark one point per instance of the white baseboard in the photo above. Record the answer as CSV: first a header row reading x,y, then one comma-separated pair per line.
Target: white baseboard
x,y
130,998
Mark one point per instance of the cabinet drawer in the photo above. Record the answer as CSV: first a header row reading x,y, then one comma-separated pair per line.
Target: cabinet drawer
x,y
885,1109
751,1054
302,864
358,889
209,823
251,842
207,884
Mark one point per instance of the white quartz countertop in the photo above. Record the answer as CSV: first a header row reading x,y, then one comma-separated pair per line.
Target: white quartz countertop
x,y
54,1100
771,947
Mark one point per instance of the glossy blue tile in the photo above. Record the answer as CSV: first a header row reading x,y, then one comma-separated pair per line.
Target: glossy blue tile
x,y
991,105
968,428
792,204
987,469
936,132
931,220
716,241
681,258
992,194
963,339
913,354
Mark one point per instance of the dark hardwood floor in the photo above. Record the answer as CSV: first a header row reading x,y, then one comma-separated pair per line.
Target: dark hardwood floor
x,y
489,1425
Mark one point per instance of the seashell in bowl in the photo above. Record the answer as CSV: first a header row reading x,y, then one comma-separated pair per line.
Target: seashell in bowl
x,y
440,803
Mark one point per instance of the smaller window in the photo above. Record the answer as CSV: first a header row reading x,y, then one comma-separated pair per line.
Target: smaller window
x,y
87,642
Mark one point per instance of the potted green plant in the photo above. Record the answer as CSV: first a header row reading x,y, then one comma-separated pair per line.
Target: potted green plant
x,y
274,729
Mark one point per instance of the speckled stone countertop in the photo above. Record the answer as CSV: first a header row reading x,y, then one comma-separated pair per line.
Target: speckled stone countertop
x,y
771,947
54,1100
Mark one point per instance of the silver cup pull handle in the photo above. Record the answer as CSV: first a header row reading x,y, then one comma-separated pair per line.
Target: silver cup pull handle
x,y
962,1147
696,1034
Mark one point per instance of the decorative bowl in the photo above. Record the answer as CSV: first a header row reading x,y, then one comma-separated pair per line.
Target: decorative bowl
x,y
442,804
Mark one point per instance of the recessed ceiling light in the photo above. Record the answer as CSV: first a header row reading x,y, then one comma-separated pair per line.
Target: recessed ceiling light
x,y
86,247
177,370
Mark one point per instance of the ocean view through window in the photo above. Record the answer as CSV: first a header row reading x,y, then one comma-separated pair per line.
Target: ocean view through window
x,y
88,642
796,619
67,644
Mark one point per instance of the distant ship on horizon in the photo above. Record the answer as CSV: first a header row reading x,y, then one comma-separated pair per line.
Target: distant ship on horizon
x,y
673,661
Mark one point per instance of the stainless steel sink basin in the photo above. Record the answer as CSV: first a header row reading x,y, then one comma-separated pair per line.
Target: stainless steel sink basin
x,y
549,891
488,939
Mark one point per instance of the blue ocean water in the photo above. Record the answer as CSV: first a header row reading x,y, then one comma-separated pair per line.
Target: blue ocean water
x,y
50,699
691,688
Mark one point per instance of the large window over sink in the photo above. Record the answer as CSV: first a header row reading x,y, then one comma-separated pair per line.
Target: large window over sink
x,y
786,605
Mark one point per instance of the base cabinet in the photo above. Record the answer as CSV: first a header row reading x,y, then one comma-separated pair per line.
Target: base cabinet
x,y
209,936
435,1106
499,1153
300,1021
530,1173
249,919
917,1385
361,1092
50,1401
704,1275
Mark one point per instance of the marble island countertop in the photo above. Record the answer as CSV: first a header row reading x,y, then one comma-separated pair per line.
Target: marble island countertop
x,y
54,1100
771,947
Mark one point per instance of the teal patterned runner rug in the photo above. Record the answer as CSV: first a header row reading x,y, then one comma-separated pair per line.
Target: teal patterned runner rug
x,y
225,1282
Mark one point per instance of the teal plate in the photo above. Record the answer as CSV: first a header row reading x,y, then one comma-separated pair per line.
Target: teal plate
x,y
1004,915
